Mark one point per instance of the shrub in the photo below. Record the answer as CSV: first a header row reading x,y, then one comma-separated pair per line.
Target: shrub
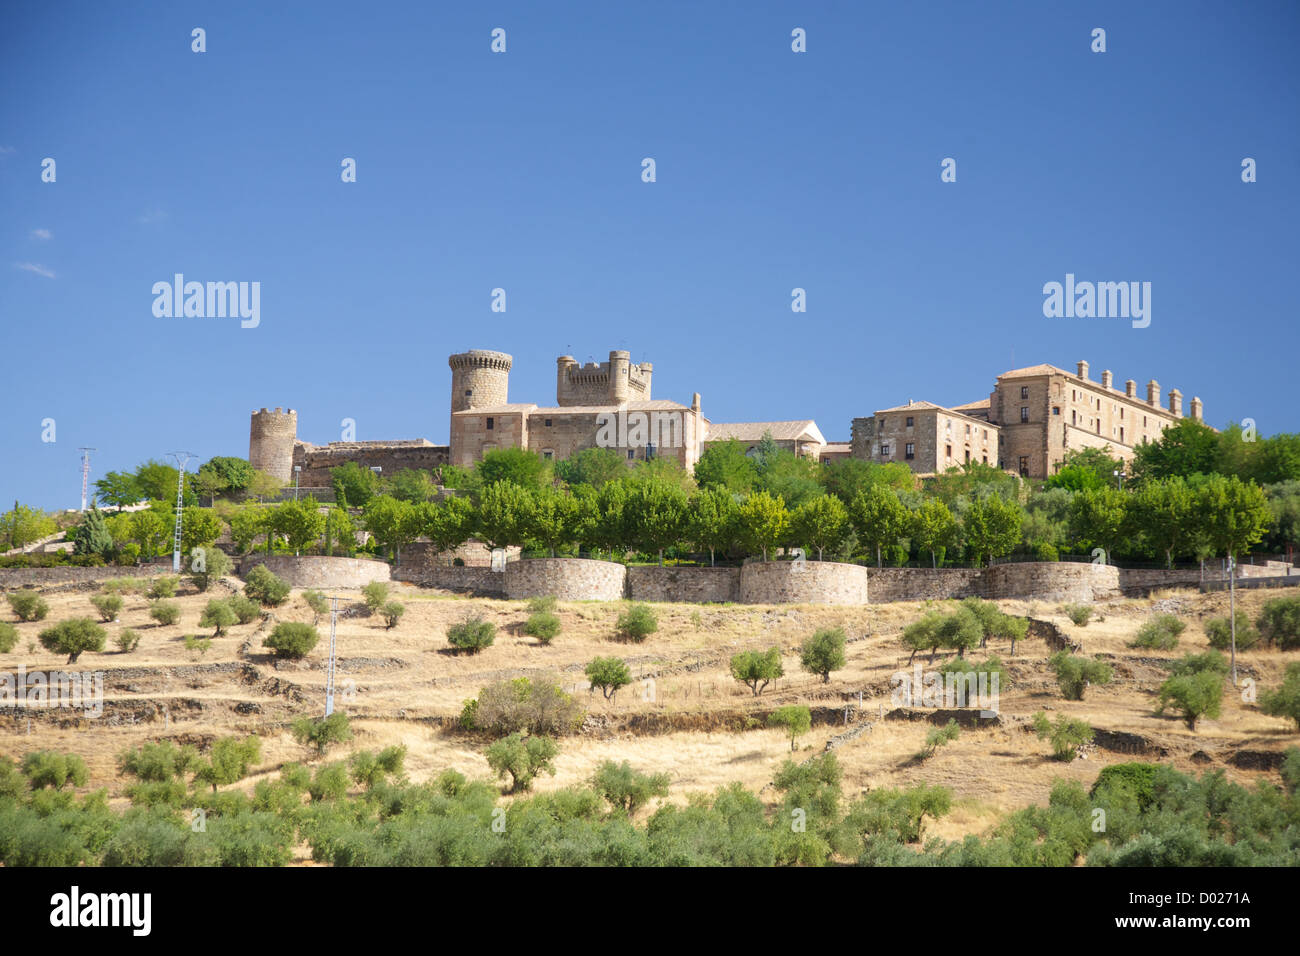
x,y
1080,614
207,565
46,768
8,637
795,718
937,737
1194,695
542,605
823,652
375,593
1211,662
321,732
246,611
627,789
318,603
127,640
1135,779
1075,673
543,625
1291,769
219,615
636,623
262,585
108,606
291,639
523,758
163,587
526,705
127,556
968,691
197,645
28,605
165,613
1284,701
757,668
330,782
73,637
1067,735
1160,633
229,761
472,634
1218,630
608,674
1280,622
368,769
1046,551
392,612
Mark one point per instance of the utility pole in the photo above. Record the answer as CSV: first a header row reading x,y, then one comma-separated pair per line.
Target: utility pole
x,y
182,458
85,473
329,677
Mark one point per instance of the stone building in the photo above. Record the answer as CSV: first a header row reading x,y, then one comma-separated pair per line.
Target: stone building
x,y
1027,425
803,438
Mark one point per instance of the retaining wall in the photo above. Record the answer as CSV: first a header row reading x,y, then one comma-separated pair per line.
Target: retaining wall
x,y
13,578
810,582
1051,581
478,581
569,579
692,585
319,571
923,584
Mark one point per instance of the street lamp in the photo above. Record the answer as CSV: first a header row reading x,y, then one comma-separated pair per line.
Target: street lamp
x,y
297,471
1121,476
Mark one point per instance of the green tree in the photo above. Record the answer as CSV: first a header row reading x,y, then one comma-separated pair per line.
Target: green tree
x,y
292,639
763,522
264,586
150,532
608,674
1163,513
472,634
636,623
1185,448
48,768
1279,622
354,485
654,516
846,478
505,514
247,523
301,522
1098,518
937,737
449,523
992,527
823,652
725,465
1235,516
1284,701
394,523
322,732
924,634
523,758
1067,735
237,473
229,761
591,466
118,489
553,518
820,523
1194,695
879,518
712,522
206,565
517,466
413,485
92,535
795,718
626,789
1075,673
757,669
933,528
199,528
218,615
73,637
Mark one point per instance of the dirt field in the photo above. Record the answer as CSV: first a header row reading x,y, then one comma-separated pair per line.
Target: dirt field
x,y
683,713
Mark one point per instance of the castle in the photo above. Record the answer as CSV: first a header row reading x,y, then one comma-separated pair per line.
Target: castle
x,y
1027,425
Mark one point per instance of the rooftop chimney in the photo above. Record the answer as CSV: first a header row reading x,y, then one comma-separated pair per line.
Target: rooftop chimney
x,y
1131,388
1196,409
1153,393
1106,379
1083,370
1176,403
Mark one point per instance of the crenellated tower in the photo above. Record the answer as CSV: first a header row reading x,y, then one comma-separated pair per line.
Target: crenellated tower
x,y
479,378
271,437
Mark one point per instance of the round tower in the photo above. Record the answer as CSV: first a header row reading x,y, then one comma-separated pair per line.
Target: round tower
x,y
479,378
271,436
620,390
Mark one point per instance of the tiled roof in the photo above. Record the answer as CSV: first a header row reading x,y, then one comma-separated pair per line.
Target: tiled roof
x,y
1035,370
653,405
805,430
912,406
982,403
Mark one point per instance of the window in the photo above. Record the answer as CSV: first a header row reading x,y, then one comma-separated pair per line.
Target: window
x,y
1074,418
1056,409
631,453
490,424
967,429
548,423
882,424
469,392
910,451
1024,466
909,422
548,454
968,456
1024,413
1121,435
947,451
649,452
1024,391
884,450
986,459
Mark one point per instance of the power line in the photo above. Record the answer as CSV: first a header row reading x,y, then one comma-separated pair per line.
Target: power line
x,y
85,473
182,458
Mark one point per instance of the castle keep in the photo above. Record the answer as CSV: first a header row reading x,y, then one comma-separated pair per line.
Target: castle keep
x,y
1031,420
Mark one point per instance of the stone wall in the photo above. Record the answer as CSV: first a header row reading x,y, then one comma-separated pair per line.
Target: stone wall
x,y
1142,581
318,571
569,579
14,578
690,585
811,582
317,460
1051,581
923,584
420,555
478,581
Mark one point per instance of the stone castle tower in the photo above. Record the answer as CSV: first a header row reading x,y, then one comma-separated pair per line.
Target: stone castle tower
x,y
271,437
609,383
479,378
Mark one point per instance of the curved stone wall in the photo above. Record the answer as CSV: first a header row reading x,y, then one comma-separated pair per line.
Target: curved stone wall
x,y
568,579
320,571
683,585
1051,581
810,582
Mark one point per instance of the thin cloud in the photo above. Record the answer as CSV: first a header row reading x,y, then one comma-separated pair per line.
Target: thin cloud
x,y
42,234
152,216
38,269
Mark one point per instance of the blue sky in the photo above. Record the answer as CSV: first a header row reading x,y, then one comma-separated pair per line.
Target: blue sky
x,y
522,170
